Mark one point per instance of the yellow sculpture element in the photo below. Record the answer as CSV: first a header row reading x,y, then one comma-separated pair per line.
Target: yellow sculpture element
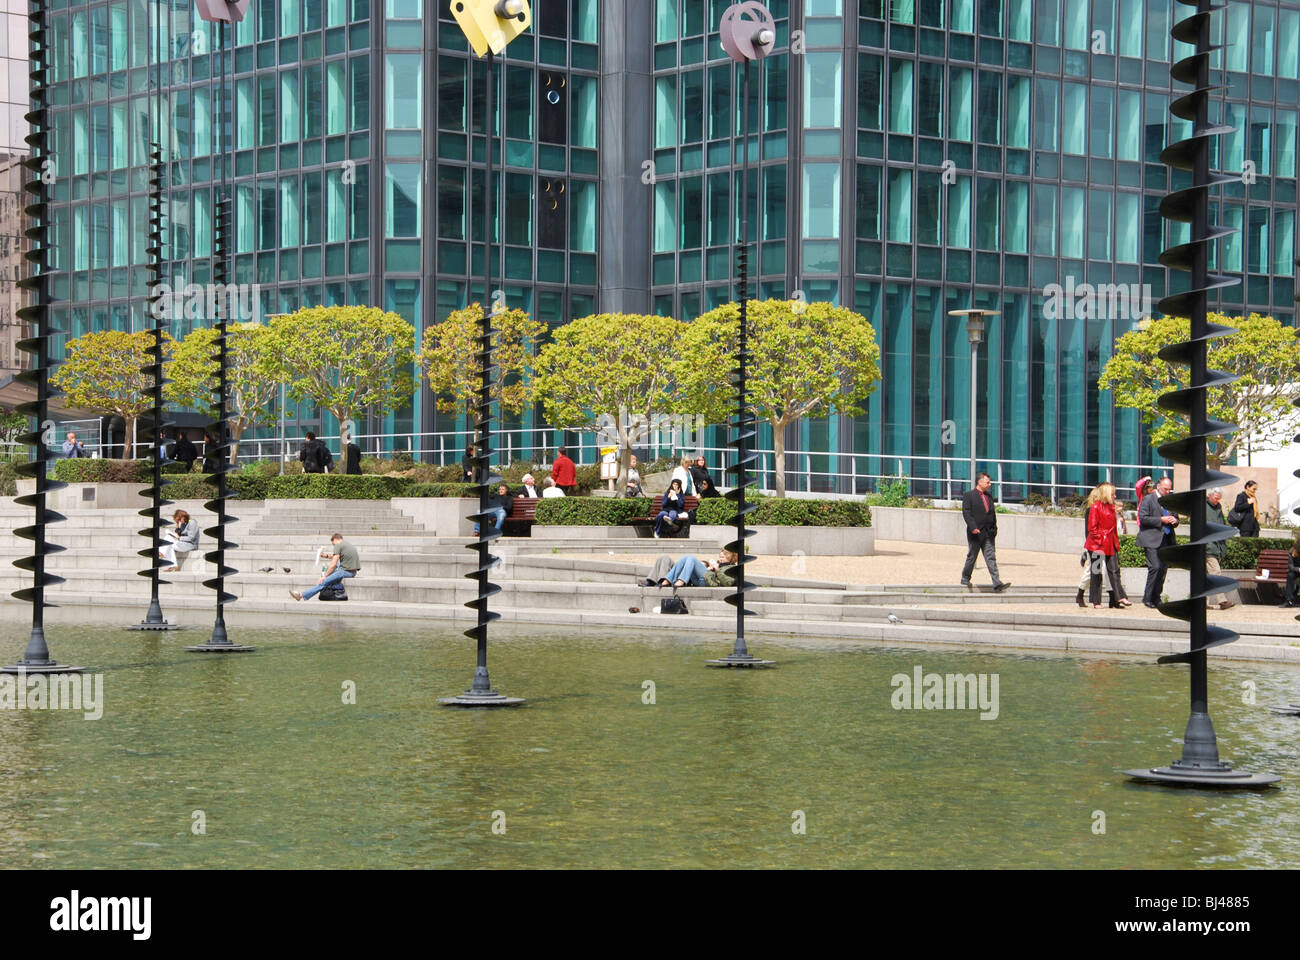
x,y
491,24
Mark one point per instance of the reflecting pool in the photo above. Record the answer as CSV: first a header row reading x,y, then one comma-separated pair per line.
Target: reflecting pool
x,y
719,770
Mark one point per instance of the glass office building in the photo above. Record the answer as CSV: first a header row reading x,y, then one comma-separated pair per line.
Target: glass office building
x,y
908,159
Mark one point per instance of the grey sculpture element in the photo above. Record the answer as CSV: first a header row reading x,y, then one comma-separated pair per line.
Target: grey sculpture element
x,y
223,11
748,31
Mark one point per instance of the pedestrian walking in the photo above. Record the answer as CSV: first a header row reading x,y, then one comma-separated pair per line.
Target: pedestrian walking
x,y
183,451
1155,530
981,531
352,457
1216,550
344,564
1103,547
1245,512
314,455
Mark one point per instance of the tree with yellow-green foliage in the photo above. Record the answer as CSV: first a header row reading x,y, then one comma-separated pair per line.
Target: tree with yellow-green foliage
x,y
614,371
1263,354
449,358
254,374
103,373
346,359
809,360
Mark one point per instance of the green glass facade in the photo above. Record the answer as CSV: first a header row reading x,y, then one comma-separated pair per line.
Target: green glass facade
x,y
907,159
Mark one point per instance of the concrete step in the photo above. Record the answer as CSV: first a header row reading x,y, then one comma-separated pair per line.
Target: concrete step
x,y
195,612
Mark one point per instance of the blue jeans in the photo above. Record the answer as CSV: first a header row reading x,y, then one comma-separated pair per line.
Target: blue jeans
x,y
689,570
664,515
500,520
333,578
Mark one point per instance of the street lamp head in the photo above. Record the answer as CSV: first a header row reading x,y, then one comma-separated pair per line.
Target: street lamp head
x,y
974,322
221,11
747,31
491,24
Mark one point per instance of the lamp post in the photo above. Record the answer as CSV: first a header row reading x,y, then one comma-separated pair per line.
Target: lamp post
x,y
36,313
488,26
975,334
1199,764
748,33
221,13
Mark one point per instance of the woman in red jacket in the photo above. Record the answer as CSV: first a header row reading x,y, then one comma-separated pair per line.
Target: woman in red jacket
x,y
1103,546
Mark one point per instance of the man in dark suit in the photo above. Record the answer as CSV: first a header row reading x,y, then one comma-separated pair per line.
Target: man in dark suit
x,y
981,531
1155,530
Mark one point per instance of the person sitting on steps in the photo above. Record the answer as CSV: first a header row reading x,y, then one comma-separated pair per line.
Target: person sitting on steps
x,y
344,564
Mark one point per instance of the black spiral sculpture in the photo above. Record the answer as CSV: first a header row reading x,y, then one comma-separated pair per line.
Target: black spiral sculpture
x,y
480,693
218,448
1199,764
154,370
747,33
36,658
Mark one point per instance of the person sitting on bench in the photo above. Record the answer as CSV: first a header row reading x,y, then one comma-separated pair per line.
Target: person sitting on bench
x,y
671,506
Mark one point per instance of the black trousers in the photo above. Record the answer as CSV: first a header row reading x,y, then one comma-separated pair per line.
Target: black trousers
x,y
974,545
1096,561
1156,571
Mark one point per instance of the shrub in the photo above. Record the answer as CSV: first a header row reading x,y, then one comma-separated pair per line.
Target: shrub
x,y
8,479
892,492
333,486
609,511
591,511
440,490
93,470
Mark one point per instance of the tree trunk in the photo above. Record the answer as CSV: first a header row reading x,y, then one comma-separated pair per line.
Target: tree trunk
x,y
341,465
778,447
128,431
236,431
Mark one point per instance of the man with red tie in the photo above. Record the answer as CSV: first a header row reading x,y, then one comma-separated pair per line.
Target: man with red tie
x,y
981,531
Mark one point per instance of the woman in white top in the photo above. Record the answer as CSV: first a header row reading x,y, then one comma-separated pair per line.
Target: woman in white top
x,y
550,490
682,472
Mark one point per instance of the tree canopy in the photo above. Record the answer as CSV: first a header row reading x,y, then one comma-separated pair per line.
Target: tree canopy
x,y
1264,355
809,359
449,358
104,373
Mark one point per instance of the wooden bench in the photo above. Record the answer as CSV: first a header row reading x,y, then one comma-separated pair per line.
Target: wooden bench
x,y
675,528
523,514
1270,590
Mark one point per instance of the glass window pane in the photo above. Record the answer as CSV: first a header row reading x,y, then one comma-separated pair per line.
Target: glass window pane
x,y
1286,143
1283,241
822,89
1128,214
990,108
959,199
870,84
1072,219
961,94
403,78
1100,121
821,200
929,90
1288,43
1017,217
987,214
665,112
1017,119
582,216
1045,223
1128,114
1046,114
1075,115
1262,41
1131,14
402,200
1099,224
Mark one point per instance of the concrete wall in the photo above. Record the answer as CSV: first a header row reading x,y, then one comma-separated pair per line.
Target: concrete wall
x,y
1016,531
442,516
767,541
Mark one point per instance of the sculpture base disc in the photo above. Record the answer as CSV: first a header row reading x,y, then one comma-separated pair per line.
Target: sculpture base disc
x,y
471,699
735,661
49,667
1224,779
146,625
220,648
1290,710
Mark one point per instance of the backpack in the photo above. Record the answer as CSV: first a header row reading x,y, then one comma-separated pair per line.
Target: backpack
x,y
323,456
334,591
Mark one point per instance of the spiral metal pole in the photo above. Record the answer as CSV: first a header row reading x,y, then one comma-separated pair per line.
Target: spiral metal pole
x,y
1199,764
220,430
480,693
744,425
154,619
37,658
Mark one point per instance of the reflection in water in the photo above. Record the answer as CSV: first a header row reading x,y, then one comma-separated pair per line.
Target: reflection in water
x,y
586,774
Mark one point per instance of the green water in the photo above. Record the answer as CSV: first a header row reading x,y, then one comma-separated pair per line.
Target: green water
x,y
587,775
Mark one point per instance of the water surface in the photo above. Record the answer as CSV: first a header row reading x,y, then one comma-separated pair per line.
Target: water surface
x,y
588,775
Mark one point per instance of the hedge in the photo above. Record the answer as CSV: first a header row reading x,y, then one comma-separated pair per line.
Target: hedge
x,y
1242,554
610,511
439,490
101,470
